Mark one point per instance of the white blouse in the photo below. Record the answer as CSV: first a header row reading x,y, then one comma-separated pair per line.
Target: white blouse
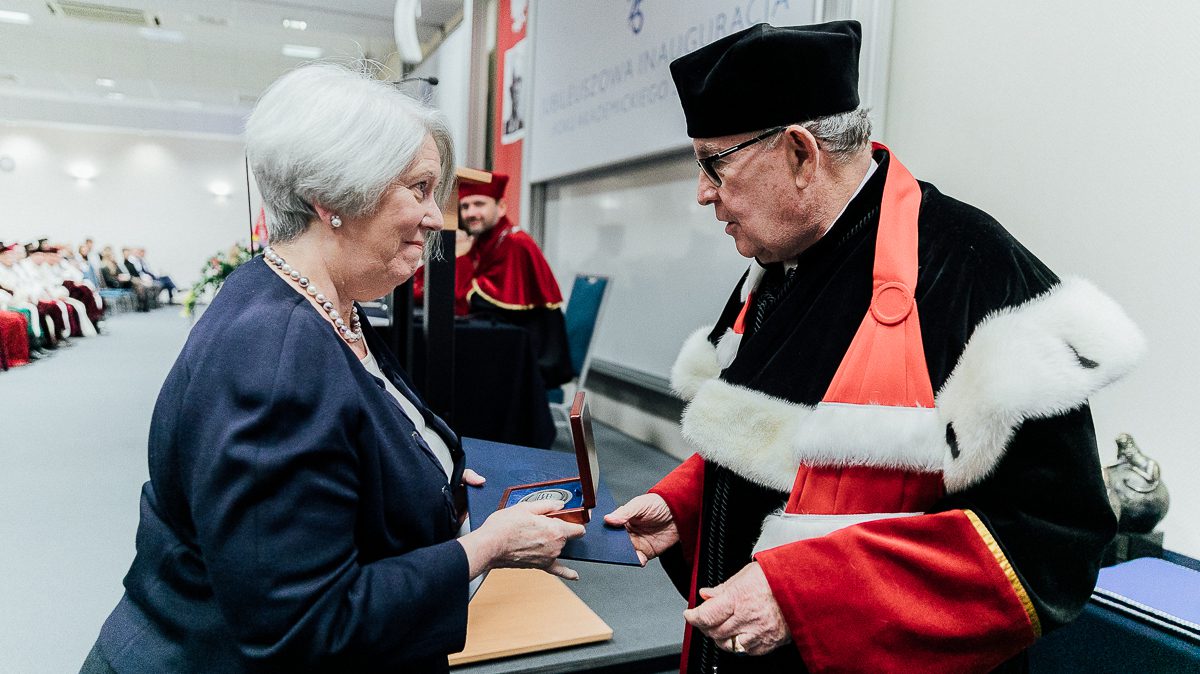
x,y
431,437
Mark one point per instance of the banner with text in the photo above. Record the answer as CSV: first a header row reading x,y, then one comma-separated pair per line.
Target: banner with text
x,y
602,89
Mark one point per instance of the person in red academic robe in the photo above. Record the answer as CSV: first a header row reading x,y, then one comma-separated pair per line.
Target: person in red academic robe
x,y
511,279
839,515
14,338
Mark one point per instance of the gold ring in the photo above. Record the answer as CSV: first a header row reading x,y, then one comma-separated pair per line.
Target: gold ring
x,y
735,646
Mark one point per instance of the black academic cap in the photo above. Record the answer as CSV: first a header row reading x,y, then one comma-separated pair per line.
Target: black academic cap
x,y
765,76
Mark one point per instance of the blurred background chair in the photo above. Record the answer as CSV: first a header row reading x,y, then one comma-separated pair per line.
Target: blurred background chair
x,y
118,300
582,315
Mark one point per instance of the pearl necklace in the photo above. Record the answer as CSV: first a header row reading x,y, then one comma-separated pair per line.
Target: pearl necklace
x,y
351,333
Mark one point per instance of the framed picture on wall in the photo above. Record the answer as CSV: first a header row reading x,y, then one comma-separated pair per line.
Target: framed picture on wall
x,y
512,125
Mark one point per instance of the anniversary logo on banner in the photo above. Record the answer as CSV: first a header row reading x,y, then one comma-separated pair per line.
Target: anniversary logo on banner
x,y
603,90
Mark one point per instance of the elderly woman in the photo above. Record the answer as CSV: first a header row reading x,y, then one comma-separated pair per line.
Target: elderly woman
x,y
305,508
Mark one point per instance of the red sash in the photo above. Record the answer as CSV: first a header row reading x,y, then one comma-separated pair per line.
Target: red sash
x,y
884,366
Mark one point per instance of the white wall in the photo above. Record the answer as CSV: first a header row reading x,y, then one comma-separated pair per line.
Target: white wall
x,y
1071,122
149,189
450,63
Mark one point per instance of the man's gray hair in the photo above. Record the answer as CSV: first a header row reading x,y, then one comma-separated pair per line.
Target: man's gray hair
x,y
842,135
331,134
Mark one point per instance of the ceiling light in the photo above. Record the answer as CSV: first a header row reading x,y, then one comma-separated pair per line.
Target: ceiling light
x,y
302,52
105,82
22,18
115,96
82,170
295,24
161,34
220,188
189,104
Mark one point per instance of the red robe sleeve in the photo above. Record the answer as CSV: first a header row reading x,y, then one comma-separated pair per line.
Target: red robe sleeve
x,y
683,490
931,593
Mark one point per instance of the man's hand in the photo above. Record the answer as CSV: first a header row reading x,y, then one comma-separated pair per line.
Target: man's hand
x,y
742,606
649,523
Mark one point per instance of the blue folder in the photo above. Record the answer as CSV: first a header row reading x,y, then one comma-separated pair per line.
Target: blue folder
x,y
1155,591
507,465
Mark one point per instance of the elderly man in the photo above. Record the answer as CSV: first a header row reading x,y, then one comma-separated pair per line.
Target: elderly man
x,y
838,515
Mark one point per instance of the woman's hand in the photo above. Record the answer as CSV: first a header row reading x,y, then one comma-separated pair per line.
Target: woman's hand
x,y
522,537
649,523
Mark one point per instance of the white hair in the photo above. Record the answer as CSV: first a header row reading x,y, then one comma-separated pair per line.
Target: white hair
x,y
842,135
334,135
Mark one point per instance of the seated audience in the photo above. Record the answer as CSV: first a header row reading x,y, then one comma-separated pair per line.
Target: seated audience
x,y
62,263
48,293
19,277
116,276
88,261
135,261
46,269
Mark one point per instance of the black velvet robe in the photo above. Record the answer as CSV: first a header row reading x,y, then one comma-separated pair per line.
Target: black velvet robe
x,y
1044,503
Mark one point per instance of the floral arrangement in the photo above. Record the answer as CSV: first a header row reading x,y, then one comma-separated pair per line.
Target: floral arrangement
x,y
215,271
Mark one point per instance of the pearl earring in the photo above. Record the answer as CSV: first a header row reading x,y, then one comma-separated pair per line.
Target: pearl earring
x,y
335,221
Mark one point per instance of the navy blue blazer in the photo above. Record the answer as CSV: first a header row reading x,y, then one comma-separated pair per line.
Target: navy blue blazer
x,y
294,519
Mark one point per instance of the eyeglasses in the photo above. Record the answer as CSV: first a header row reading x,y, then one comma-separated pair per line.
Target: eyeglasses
x,y
709,164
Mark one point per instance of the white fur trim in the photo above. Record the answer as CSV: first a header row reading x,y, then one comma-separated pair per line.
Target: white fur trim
x,y
753,278
727,348
842,434
780,528
1024,363
1018,365
765,439
695,364
698,361
746,431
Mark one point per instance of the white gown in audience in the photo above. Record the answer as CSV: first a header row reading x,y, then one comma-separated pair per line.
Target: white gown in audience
x,y
24,293
50,276
9,301
37,282
71,269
